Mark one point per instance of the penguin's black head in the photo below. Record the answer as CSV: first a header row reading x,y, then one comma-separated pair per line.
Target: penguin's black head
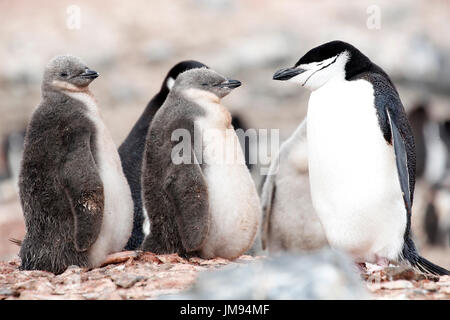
x,y
199,82
327,61
67,73
176,70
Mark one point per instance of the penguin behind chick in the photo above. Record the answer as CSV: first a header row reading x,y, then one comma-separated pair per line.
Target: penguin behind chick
x,y
76,201
290,222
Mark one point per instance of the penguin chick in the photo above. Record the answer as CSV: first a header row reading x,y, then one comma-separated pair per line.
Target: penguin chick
x,y
131,151
75,199
205,203
290,222
361,155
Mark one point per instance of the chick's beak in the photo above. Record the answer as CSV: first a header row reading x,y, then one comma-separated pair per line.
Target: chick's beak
x,y
231,84
89,74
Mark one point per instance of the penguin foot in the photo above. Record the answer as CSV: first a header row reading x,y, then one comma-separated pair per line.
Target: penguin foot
x,y
119,257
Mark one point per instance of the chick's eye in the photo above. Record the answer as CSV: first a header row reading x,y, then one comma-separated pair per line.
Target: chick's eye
x,y
63,74
204,84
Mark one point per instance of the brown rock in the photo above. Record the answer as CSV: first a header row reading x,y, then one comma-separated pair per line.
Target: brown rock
x,y
127,280
150,257
119,257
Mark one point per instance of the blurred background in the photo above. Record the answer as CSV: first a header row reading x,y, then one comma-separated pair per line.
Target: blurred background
x,y
133,45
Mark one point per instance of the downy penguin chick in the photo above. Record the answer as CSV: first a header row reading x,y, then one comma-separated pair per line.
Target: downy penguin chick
x,y
197,191
290,222
131,151
361,155
75,198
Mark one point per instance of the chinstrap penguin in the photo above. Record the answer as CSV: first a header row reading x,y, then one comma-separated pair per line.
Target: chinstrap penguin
x,y
361,155
290,222
204,205
75,198
131,151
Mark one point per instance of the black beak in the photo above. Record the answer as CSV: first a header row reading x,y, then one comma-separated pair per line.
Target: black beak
x,y
287,73
231,84
89,74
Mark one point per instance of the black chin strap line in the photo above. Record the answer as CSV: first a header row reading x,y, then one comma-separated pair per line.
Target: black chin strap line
x,y
335,58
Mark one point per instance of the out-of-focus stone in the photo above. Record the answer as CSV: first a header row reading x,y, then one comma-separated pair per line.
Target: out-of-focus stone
x,y
430,286
445,290
127,280
7,292
119,257
323,275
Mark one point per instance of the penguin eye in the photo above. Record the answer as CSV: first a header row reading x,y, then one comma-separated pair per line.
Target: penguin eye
x,y
63,74
204,84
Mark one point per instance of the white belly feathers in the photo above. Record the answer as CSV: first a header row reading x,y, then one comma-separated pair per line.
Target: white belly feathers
x,y
353,175
234,202
118,212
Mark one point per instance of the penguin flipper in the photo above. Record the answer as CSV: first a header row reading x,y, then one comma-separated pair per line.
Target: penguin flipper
x,y
186,187
409,251
83,188
401,159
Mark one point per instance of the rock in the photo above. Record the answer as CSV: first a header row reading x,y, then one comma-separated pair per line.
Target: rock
x,y
445,290
171,258
127,280
119,257
403,273
7,292
203,262
323,275
430,286
150,257
397,284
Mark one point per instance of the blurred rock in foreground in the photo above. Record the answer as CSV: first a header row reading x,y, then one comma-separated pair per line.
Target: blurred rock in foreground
x,y
324,274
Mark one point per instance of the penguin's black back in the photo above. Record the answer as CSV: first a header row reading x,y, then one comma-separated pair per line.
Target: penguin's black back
x,y
131,152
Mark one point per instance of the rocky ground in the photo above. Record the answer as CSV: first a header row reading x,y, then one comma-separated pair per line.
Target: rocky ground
x,y
404,283
149,276
145,276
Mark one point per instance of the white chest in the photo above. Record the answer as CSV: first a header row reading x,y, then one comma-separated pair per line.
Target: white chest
x,y
118,209
353,175
233,199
